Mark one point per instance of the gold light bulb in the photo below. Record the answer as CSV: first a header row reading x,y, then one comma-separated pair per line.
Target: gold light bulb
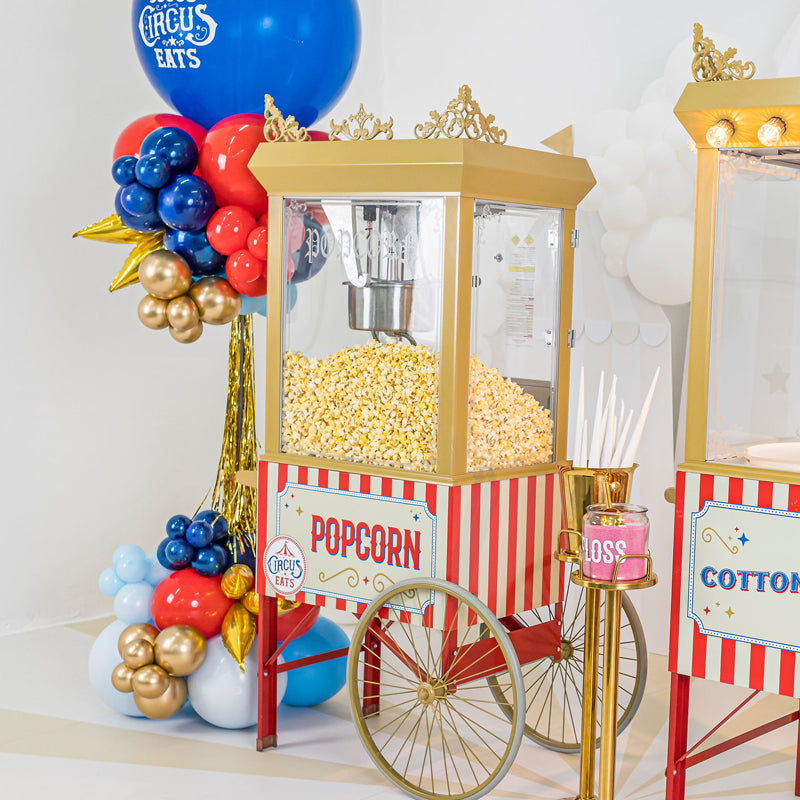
x,y
719,133
771,131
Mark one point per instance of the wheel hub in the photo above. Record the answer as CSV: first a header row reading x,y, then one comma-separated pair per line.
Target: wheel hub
x,y
567,649
429,692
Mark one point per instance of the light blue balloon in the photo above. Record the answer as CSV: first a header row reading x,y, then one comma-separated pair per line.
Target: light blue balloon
x,y
132,570
103,657
126,552
155,572
221,693
253,305
132,603
109,582
316,683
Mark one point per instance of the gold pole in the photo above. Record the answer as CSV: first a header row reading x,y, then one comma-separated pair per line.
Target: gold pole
x,y
589,715
608,719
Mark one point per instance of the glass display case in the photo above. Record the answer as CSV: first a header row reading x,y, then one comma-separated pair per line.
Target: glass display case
x,y
753,393
419,303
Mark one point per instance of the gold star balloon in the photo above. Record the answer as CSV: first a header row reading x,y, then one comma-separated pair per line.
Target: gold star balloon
x,y
113,229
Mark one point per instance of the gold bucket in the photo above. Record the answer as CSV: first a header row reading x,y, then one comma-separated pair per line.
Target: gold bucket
x,y
584,487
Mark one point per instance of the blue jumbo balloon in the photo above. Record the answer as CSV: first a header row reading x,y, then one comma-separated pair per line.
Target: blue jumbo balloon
x,y
214,59
186,203
202,258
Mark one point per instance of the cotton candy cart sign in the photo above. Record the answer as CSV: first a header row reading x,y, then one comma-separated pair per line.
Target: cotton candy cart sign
x,y
353,545
743,579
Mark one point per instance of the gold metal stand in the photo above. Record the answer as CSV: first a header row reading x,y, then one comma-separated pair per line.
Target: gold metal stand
x,y
608,720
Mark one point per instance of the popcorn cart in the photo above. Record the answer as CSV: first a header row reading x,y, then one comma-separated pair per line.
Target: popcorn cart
x,y
418,315
737,514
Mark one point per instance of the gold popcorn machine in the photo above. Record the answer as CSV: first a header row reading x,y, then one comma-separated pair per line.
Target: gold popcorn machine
x,y
417,361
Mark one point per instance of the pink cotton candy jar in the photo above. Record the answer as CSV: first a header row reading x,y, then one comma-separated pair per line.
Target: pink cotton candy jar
x,y
611,532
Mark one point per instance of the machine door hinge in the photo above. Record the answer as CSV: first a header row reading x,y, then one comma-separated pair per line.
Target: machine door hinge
x,y
574,237
571,337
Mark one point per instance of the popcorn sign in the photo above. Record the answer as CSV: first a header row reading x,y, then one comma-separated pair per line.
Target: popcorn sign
x,y
742,584
174,30
354,545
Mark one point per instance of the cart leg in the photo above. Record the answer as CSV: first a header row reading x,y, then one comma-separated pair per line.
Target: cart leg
x,y
372,671
797,764
267,732
589,715
677,739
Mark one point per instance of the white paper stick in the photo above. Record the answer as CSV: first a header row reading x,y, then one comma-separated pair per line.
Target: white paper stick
x,y
583,460
616,459
597,430
620,421
610,427
630,452
578,424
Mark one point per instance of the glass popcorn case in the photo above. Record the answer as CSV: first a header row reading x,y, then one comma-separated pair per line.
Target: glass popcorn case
x,y
418,304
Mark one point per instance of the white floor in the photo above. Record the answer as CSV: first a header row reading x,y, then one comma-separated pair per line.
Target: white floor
x,y
57,739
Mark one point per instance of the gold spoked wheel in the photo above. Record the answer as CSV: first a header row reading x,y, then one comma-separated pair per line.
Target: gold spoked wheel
x,y
419,695
554,688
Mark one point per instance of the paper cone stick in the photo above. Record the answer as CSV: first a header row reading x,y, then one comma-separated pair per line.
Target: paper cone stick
x,y
636,436
610,427
583,460
616,459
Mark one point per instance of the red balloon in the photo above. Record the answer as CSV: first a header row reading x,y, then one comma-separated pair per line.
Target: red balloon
x,y
246,273
263,220
130,140
226,150
320,136
257,242
228,228
186,598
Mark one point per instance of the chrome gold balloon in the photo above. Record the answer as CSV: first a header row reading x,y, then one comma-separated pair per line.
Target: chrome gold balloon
x,y
187,337
138,630
237,581
180,649
153,312
238,632
137,653
121,677
182,313
150,681
166,704
218,301
165,274
250,601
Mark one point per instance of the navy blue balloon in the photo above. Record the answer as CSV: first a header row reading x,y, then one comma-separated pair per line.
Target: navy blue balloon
x,y
123,170
186,203
212,60
177,525
179,553
152,171
143,224
162,556
211,560
137,200
174,146
199,534
202,258
308,266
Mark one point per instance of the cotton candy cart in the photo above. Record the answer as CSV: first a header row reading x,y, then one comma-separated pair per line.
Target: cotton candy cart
x,y
406,479
735,584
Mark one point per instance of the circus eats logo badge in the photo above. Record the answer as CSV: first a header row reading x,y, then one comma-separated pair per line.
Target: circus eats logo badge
x,y
174,30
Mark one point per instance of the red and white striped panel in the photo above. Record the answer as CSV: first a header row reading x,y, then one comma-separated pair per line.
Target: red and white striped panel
x,y
768,669
501,541
496,538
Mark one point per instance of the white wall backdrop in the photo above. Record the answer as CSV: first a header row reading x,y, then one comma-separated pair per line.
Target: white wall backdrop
x,y
108,428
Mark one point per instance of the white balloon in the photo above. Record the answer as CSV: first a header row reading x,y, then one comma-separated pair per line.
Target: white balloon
x,y
602,129
660,155
614,244
669,193
656,92
660,261
628,155
608,174
593,199
615,266
649,121
623,209
678,71
221,694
